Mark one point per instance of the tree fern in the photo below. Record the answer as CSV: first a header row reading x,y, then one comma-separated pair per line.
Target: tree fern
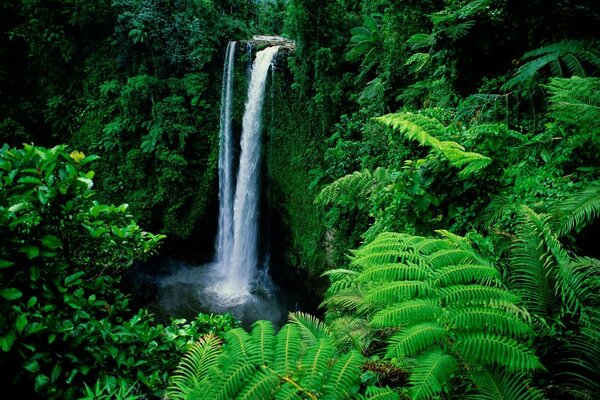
x,y
432,374
576,101
562,58
342,376
443,304
577,211
194,366
423,129
299,362
287,350
502,385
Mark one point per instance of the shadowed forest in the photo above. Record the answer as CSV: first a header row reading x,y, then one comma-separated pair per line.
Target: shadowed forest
x,y
429,181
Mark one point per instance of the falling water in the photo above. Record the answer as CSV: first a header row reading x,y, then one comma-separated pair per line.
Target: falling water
x,y
224,243
234,282
242,262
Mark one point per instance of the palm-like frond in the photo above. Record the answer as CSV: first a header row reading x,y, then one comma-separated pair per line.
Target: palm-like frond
x,y
377,393
310,328
576,101
315,363
345,190
261,386
263,340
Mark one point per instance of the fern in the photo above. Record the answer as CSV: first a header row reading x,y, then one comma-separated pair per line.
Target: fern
x,y
195,366
432,373
576,101
299,362
287,351
502,385
347,189
423,129
570,54
342,376
577,211
441,303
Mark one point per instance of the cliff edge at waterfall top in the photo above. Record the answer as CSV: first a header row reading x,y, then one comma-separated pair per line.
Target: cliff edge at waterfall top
x,y
273,41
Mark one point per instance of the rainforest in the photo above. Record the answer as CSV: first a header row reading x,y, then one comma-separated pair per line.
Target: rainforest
x,y
300,199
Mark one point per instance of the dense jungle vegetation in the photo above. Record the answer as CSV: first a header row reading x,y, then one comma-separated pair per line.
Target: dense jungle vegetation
x,y
434,174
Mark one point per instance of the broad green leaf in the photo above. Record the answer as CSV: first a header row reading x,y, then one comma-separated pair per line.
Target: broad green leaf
x,y
7,341
11,293
18,207
21,323
6,264
51,241
31,251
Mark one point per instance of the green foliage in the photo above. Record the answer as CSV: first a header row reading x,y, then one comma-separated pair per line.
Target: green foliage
x,y
423,129
576,102
298,362
439,302
572,54
62,254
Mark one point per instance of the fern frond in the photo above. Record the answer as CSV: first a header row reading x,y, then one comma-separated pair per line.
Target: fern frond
x,y
495,384
432,374
263,343
422,129
576,101
466,273
412,311
415,339
417,127
377,393
288,349
194,366
350,300
394,272
387,257
315,363
578,210
228,384
450,257
459,295
420,40
238,343
569,52
287,392
310,328
262,386
488,349
392,292
351,333
489,319
343,376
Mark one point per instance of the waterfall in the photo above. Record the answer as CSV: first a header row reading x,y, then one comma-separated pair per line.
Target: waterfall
x,y
239,261
224,243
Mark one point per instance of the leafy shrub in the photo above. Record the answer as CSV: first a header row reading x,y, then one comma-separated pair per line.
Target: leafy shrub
x,y
63,320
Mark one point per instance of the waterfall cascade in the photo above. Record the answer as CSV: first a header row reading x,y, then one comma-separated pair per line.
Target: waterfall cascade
x,y
233,282
237,248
